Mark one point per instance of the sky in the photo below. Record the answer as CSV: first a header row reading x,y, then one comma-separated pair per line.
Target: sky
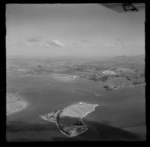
x,y
72,30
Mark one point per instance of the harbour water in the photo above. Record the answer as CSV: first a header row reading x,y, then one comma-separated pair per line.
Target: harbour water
x,y
117,110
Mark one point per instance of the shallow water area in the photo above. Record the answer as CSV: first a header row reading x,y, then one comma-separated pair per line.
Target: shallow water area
x,y
14,102
116,108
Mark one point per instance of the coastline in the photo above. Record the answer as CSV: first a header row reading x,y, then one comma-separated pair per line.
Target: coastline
x,y
77,109
60,111
96,105
74,112
15,104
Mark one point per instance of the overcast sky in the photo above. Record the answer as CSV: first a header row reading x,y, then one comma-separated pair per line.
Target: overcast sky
x,y
73,30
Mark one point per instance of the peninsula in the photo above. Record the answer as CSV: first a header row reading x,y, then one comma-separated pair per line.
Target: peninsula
x,y
69,119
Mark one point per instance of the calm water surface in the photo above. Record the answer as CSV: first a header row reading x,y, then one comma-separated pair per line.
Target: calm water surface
x,y
124,108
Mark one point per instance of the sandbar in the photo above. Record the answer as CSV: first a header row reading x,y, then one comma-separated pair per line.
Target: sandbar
x,y
14,104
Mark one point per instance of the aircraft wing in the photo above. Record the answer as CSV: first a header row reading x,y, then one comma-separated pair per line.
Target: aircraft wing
x,y
125,7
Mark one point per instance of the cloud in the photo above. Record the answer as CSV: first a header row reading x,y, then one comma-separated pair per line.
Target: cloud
x,y
58,43
55,43
35,41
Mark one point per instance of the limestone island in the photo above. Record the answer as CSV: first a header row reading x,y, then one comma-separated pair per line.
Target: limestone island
x,y
69,119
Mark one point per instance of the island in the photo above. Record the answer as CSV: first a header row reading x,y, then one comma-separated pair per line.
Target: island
x,y
69,119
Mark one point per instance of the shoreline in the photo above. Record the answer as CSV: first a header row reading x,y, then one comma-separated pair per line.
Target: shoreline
x,y
15,104
59,114
96,105
77,107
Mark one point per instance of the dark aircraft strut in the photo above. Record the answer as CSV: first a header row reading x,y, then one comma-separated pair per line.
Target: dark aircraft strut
x,y
129,7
